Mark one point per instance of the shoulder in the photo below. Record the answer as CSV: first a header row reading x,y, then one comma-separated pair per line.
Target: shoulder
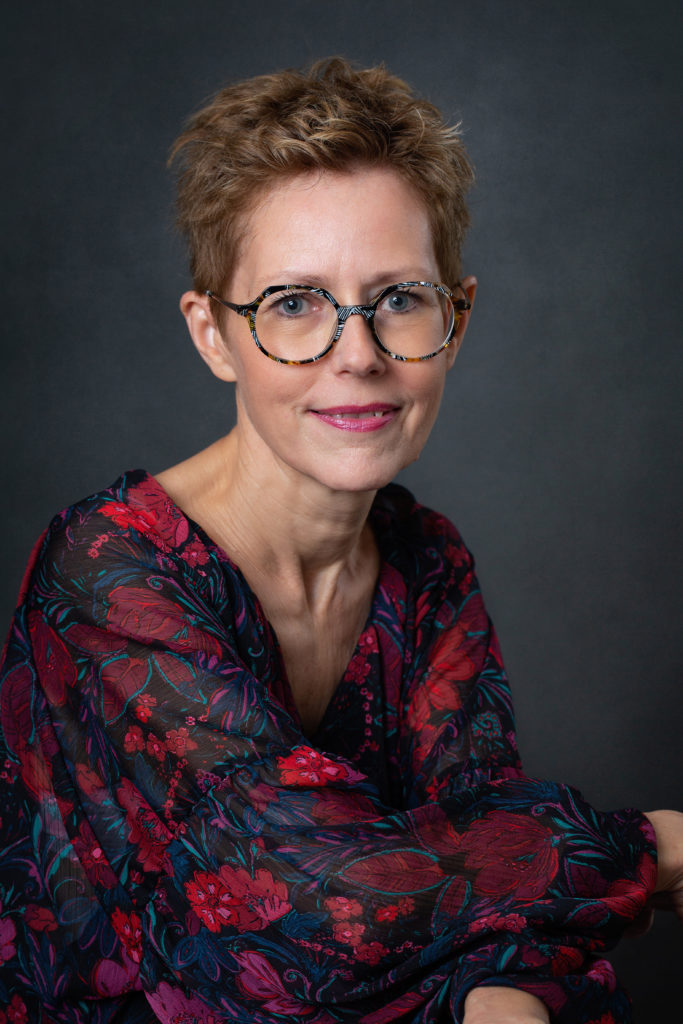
x,y
414,534
135,508
128,532
127,561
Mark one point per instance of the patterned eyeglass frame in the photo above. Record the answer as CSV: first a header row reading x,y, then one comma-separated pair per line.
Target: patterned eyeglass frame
x,y
368,311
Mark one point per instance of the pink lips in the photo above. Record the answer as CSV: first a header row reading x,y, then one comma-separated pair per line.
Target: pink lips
x,y
358,418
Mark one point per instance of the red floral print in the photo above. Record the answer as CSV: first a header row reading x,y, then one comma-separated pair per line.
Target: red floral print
x,y
57,670
214,904
133,740
510,854
232,898
178,741
500,923
342,908
128,927
140,519
92,857
8,934
156,748
389,913
40,919
16,1011
371,953
398,854
349,934
308,767
259,980
147,832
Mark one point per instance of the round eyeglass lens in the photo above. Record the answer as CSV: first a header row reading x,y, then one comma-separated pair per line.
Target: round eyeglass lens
x,y
298,324
415,321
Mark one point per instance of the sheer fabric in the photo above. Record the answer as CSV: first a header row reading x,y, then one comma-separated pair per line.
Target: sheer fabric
x,y
175,848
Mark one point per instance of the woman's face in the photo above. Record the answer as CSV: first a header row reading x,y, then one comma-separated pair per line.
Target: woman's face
x,y
354,419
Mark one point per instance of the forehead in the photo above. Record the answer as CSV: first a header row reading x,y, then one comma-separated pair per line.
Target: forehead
x,y
331,226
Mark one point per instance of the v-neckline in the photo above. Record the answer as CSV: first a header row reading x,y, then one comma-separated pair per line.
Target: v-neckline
x,y
286,695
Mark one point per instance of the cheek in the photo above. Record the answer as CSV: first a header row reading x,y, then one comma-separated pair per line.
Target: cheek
x,y
427,393
263,387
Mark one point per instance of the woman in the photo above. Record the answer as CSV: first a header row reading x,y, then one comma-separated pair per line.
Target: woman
x,y
200,821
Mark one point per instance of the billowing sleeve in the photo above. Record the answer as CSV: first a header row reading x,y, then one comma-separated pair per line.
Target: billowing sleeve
x,y
536,849
168,829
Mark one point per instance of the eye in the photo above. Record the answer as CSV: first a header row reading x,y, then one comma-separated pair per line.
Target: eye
x,y
294,304
400,302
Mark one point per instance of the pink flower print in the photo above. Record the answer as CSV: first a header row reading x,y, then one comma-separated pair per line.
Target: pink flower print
x,y
349,934
8,933
308,767
368,642
342,908
371,952
156,748
499,923
603,972
133,740
195,553
359,669
92,857
178,741
16,1011
143,708
173,1006
259,980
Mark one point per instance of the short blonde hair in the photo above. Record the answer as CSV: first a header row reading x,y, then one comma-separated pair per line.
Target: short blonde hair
x,y
334,117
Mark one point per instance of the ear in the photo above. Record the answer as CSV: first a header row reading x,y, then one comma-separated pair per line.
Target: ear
x,y
207,338
468,286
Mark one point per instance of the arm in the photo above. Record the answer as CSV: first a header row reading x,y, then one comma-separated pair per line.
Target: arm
x,y
228,855
668,826
494,1005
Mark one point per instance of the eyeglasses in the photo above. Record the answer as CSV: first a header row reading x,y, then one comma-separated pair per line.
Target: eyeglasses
x,y
297,323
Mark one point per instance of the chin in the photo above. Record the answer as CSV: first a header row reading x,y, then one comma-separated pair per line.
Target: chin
x,y
356,479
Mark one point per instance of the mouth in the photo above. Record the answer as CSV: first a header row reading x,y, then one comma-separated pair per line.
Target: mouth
x,y
358,418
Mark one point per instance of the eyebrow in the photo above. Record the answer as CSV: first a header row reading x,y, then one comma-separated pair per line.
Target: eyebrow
x,y
373,284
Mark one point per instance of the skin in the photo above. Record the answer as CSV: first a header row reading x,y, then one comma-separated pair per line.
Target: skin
x,y
287,493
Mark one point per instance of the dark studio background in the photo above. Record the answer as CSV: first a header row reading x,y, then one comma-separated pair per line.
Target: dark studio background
x,y
557,448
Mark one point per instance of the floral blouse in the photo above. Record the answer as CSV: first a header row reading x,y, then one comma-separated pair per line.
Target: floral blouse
x,y
174,848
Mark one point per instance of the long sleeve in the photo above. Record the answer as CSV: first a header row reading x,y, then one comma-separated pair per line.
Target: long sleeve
x,y
178,833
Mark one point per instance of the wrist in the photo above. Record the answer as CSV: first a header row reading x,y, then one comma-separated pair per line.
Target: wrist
x,y
668,826
498,1004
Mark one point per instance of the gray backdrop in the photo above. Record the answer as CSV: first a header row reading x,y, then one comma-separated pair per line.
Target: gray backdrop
x,y
557,448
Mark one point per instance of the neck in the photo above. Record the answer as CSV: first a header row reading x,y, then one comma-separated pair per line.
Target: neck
x,y
274,523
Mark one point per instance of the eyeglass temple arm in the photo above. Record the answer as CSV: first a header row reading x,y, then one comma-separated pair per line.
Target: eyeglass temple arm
x,y
462,305
241,309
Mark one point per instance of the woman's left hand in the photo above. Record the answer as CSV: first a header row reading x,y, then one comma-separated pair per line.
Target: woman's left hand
x,y
668,826
497,1004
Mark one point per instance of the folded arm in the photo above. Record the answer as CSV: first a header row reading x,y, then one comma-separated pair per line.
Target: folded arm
x,y
229,855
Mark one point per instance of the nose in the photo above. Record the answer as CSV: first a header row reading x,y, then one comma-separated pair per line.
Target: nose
x,y
355,350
